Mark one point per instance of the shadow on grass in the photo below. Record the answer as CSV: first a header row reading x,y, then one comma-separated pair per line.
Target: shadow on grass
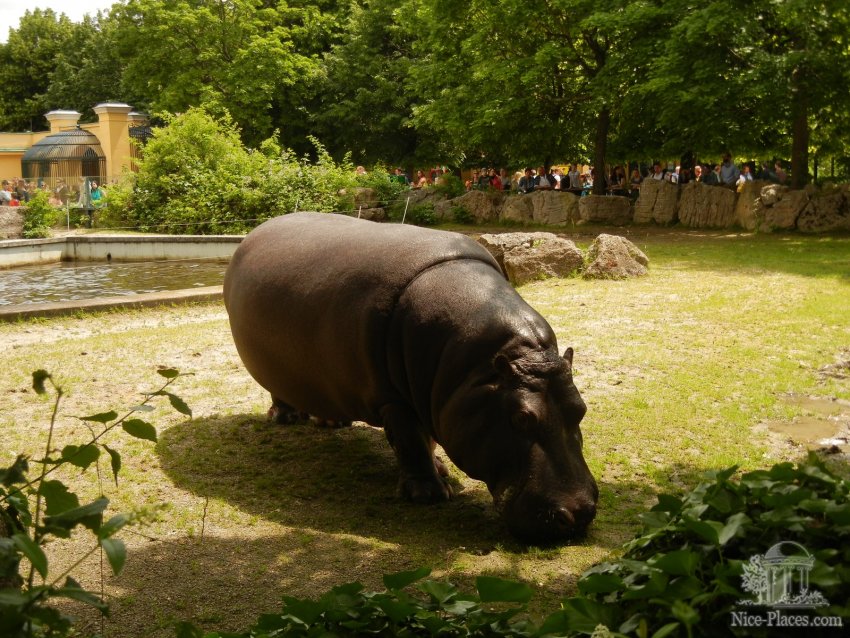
x,y
343,482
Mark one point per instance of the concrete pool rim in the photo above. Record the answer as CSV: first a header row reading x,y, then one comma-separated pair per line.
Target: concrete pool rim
x,y
24,252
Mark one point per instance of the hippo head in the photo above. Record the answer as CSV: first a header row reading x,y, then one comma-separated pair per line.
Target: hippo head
x,y
522,438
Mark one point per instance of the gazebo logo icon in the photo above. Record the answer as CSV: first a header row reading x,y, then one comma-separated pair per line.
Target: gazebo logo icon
x,y
780,578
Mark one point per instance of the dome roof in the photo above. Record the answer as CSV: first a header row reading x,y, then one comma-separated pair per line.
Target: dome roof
x,y
75,144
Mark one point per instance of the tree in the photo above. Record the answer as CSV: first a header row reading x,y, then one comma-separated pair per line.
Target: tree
x,y
366,101
751,75
531,83
87,69
238,57
26,63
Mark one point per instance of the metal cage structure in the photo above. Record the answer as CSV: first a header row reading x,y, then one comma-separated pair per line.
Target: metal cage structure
x,y
65,157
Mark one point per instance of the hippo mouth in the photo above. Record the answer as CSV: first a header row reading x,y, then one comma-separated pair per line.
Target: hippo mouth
x,y
545,519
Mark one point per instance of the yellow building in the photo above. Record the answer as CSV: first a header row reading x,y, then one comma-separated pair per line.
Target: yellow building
x,y
70,151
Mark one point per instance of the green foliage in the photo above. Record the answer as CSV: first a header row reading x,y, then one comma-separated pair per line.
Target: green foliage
x,y
26,64
450,185
39,216
387,189
196,177
681,576
37,510
348,610
461,215
422,214
684,572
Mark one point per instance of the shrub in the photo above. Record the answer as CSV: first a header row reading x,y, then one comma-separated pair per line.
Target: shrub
x,y
685,573
461,215
450,185
34,511
39,216
422,214
197,178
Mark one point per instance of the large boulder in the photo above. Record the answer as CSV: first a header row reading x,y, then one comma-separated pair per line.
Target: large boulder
x,y
11,222
550,208
554,208
366,198
783,214
747,204
481,206
703,206
531,256
604,209
372,214
518,208
658,201
614,257
826,213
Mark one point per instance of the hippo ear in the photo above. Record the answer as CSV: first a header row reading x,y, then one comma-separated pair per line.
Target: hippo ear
x,y
568,356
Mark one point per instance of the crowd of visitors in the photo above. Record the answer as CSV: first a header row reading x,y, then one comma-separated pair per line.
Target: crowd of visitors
x,y
18,192
579,180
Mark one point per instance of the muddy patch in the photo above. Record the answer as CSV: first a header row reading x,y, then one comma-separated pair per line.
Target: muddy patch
x,y
840,369
824,424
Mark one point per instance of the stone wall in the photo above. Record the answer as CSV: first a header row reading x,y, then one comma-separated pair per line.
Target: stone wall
x,y
11,222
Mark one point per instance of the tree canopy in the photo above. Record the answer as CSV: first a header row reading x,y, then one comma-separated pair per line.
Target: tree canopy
x,y
416,81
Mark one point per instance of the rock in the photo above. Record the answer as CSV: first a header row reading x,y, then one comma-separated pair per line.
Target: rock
x,y
826,213
772,193
365,197
518,208
614,257
746,207
530,256
482,206
784,213
554,207
500,243
658,201
543,259
11,222
372,214
605,209
704,206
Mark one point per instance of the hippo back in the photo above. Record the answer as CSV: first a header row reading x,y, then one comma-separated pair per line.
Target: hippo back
x,y
310,297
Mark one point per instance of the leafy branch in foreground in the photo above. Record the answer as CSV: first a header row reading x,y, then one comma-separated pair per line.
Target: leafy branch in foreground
x,y
682,576
57,511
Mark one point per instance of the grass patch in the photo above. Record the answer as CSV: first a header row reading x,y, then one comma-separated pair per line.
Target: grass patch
x,y
678,369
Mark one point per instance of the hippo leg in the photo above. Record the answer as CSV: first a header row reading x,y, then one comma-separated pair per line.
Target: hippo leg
x,y
284,414
420,479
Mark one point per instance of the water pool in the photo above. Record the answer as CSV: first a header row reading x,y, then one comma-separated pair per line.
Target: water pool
x,y
70,281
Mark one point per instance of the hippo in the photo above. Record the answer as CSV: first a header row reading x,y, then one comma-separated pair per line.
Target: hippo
x,y
416,331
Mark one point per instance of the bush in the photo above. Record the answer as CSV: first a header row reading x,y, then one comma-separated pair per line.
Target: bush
x,y
686,573
422,214
37,510
461,215
197,178
39,216
450,185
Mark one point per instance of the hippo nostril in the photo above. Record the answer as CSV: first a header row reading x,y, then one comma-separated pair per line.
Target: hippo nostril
x,y
564,519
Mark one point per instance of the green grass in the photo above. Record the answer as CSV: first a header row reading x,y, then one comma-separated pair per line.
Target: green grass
x,y
676,368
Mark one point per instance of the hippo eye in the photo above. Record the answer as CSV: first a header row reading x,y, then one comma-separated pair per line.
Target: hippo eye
x,y
525,419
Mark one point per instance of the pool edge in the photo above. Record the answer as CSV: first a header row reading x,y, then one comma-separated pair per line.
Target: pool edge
x,y
17,312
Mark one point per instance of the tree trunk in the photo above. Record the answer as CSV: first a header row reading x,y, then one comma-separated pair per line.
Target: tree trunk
x,y
599,151
799,130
